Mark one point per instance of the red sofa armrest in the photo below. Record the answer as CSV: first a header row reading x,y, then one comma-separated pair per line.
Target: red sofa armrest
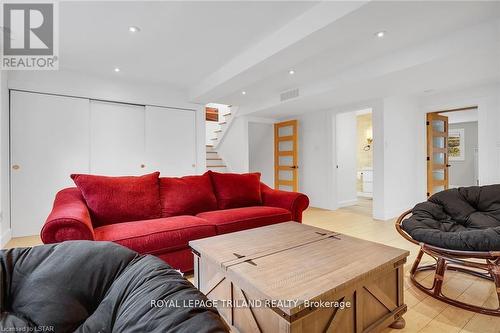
x,y
69,219
295,202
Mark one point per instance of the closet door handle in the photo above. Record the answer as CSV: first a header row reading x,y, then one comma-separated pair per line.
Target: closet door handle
x,y
143,166
16,167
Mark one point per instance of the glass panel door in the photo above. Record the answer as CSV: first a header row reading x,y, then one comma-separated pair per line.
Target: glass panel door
x,y
437,153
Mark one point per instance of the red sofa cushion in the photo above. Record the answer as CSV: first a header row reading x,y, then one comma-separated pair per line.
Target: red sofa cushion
x,y
237,219
120,199
157,235
188,195
236,190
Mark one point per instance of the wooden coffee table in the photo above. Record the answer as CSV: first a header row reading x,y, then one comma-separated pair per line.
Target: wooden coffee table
x,y
291,277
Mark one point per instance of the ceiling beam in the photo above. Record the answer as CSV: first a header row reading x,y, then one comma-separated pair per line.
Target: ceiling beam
x,y
312,20
474,41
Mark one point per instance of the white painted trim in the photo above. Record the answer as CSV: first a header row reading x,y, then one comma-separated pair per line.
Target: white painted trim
x,y
201,158
365,194
5,237
346,203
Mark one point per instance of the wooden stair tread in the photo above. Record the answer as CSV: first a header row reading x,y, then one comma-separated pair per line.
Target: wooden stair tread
x,y
213,159
216,166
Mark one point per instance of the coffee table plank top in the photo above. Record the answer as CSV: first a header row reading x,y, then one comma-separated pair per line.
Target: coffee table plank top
x,y
228,247
315,269
292,261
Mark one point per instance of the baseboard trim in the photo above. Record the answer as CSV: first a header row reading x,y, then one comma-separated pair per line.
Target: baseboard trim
x,y
345,203
5,237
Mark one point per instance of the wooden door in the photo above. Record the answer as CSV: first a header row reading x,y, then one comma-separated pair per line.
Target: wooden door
x,y
116,139
170,141
49,141
286,157
437,153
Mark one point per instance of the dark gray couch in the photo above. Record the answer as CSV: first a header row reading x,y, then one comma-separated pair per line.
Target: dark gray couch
x,y
83,286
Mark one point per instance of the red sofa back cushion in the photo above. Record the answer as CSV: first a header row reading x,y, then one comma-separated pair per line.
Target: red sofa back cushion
x,y
188,195
120,199
236,190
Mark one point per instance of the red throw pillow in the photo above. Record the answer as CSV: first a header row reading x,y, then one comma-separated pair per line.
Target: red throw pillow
x,y
120,199
235,190
188,195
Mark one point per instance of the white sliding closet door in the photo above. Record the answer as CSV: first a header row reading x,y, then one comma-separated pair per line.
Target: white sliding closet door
x,y
170,141
116,139
49,141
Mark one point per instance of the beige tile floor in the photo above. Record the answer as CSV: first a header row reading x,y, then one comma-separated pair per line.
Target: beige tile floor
x,y
425,314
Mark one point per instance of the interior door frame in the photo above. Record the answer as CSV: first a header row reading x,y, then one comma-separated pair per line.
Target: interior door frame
x,y
431,165
465,108
294,183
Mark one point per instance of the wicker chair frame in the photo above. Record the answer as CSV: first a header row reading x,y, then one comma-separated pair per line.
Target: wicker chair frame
x,y
485,265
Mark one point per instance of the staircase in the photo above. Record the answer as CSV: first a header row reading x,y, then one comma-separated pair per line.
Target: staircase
x,y
214,162
224,120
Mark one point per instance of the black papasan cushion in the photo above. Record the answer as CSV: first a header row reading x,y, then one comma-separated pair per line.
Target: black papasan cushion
x,y
84,286
465,218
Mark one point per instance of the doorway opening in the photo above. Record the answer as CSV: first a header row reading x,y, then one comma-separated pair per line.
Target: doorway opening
x,y
354,150
452,149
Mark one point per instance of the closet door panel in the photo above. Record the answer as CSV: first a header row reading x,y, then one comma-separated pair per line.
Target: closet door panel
x,y
49,141
117,139
170,141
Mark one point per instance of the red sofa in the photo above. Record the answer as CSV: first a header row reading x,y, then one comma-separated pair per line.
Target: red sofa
x,y
160,216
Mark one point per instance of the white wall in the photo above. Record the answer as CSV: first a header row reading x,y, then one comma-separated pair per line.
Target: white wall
x,y
261,150
5,230
395,166
346,147
316,158
83,85
399,145
461,116
399,134
463,173
233,148
400,125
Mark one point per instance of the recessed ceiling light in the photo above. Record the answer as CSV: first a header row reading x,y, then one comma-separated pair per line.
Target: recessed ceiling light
x,y
380,34
134,29
291,72
117,69
243,92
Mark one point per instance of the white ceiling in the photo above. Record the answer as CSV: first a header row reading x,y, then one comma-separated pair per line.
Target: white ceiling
x,y
214,50
179,42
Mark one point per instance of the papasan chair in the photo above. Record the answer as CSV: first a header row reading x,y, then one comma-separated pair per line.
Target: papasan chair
x,y
460,229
